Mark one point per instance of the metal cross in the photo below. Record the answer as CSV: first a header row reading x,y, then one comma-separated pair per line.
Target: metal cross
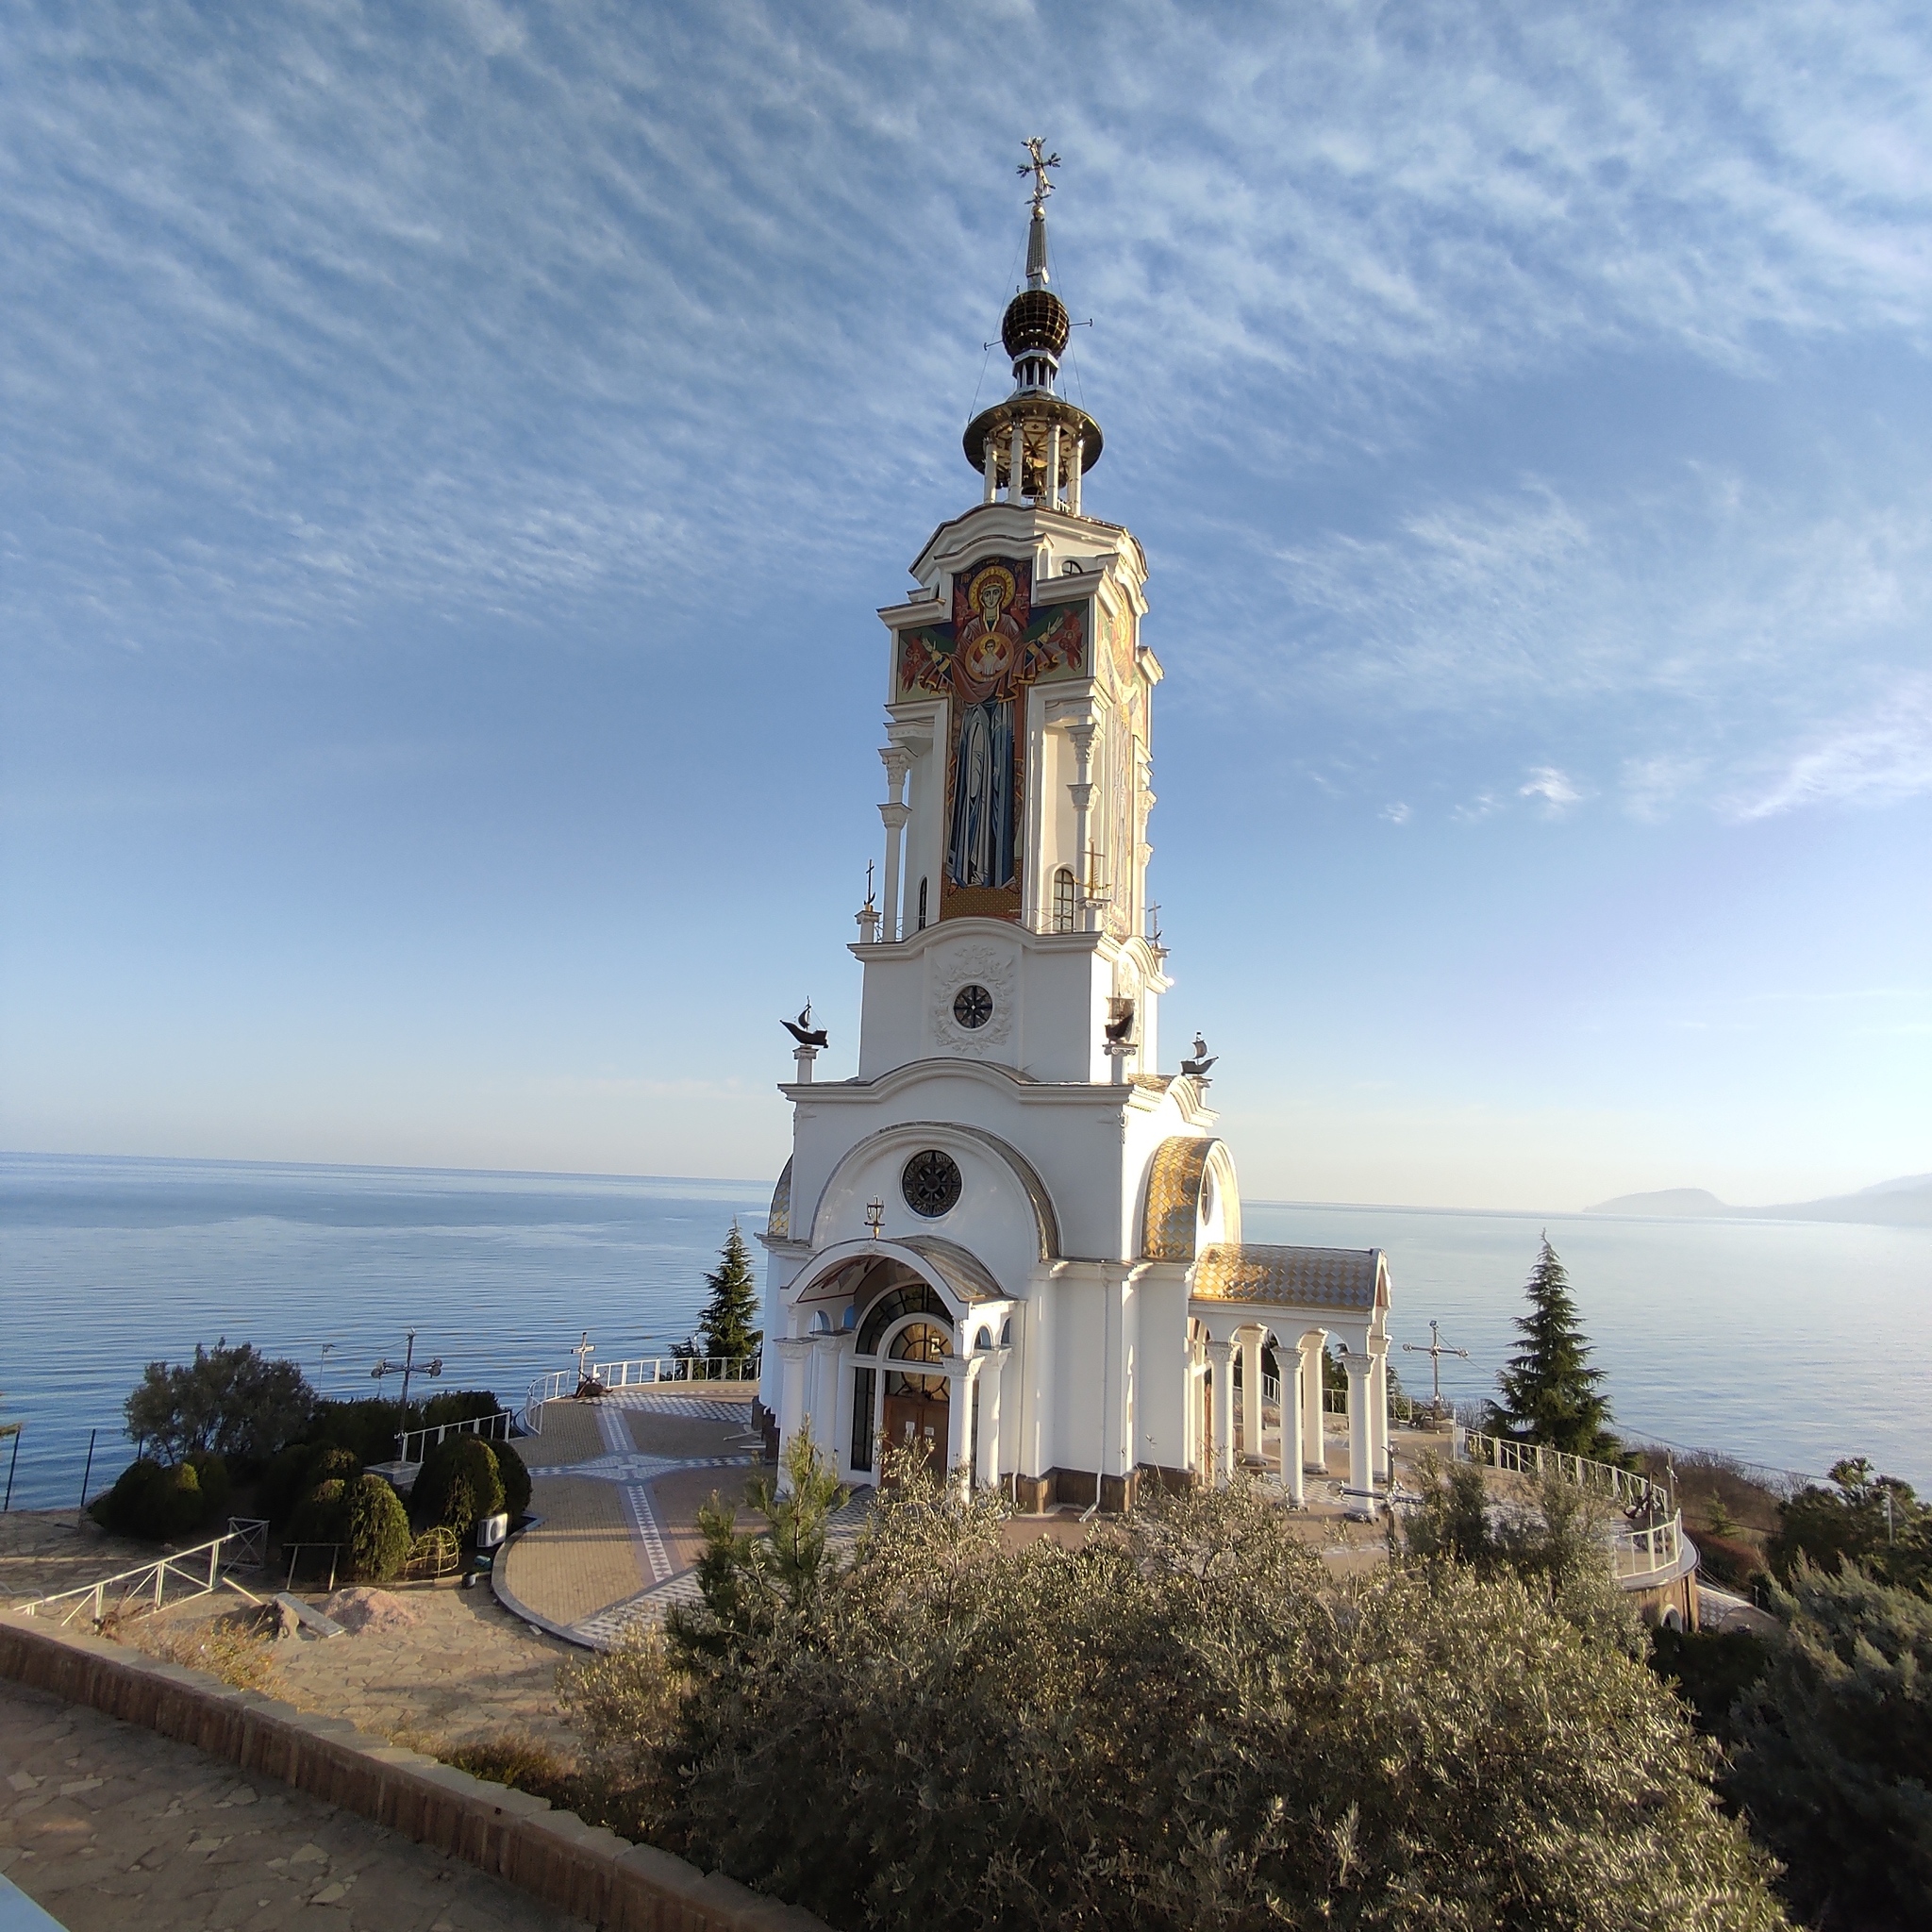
x,y
1437,1349
1037,167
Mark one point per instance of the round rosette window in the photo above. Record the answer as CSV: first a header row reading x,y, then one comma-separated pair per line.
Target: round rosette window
x,y
973,1008
931,1183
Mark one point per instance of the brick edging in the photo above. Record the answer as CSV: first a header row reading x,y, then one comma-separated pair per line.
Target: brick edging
x,y
579,1867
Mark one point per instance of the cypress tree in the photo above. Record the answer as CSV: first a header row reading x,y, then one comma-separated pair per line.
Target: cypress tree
x,y
727,1325
1550,1392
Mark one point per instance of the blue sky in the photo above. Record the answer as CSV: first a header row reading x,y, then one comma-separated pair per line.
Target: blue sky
x,y
452,456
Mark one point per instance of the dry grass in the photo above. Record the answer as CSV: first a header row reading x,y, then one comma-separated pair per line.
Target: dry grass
x,y
237,1646
522,1762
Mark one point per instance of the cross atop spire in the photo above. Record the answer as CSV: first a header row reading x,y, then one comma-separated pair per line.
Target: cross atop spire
x,y
1037,167
1036,228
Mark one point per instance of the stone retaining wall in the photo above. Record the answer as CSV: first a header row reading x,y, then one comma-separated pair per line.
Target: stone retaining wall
x,y
554,1854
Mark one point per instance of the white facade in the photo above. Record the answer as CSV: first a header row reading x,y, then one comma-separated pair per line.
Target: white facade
x,y
1011,1237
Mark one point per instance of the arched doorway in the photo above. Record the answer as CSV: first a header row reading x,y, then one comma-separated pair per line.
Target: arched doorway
x,y
916,1409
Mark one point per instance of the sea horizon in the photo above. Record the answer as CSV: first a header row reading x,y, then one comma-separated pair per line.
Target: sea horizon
x,y
1726,1334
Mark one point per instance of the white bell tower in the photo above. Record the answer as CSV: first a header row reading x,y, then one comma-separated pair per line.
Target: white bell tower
x,y
987,1244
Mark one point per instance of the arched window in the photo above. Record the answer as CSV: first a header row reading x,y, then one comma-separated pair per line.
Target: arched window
x,y
922,905
1063,900
913,1298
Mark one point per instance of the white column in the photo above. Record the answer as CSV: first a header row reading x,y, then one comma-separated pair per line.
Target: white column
x,y
895,811
1080,735
1379,1418
1221,1356
795,1352
1053,467
1314,1451
961,1373
822,1395
1017,458
1073,474
1362,1484
1251,1392
992,467
991,1377
1293,1377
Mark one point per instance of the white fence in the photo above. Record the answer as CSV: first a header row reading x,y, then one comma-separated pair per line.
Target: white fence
x,y
198,1572
1653,1545
642,1372
491,1428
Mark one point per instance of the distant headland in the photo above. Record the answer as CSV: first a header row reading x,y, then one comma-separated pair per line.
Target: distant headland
x,y
1903,1202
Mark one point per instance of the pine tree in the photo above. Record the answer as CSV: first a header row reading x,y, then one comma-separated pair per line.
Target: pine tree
x,y
1550,1392
725,1327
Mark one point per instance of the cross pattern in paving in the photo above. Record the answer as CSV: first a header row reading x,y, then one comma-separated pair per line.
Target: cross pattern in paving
x,y
634,1466
583,1552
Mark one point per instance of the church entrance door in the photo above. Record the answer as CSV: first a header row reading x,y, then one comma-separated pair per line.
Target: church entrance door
x,y
917,1422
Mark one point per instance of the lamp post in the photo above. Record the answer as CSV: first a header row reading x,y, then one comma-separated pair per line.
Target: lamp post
x,y
407,1368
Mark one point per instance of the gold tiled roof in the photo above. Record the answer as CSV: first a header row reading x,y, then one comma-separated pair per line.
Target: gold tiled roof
x,y
778,1222
1354,1278
1174,1198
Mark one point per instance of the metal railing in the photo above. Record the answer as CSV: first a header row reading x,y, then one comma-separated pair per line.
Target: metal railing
x,y
644,1371
501,1424
1532,1458
1655,1550
1653,1544
203,1570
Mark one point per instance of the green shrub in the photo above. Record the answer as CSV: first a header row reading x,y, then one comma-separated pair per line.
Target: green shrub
x,y
161,1504
295,1472
1863,1518
1710,1669
1728,1563
1182,1723
367,1429
459,1405
378,1530
515,1479
323,1515
211,1477
1834,1749
458,1483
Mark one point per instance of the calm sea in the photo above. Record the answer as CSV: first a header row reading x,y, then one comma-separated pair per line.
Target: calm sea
x,y
1785,1343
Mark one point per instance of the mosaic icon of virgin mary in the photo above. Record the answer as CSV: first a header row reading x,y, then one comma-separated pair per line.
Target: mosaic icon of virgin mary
x,y
979,851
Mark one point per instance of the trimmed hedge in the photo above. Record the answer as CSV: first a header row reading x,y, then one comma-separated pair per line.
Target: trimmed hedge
x,y
459,1405
323,1516
516,1478
378,1530
159,1503
460,1481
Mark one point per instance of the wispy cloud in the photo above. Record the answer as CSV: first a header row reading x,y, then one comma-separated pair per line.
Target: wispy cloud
x,y
1552,788
1880,758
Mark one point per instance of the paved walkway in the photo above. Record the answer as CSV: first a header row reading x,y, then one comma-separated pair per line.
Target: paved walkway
x,y
107,1825
618,1481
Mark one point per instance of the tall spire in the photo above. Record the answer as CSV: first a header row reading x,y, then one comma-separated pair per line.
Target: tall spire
x,y
1042,186
1035,446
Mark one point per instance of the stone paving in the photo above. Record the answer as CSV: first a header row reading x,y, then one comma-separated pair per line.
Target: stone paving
x,y
618,1481
46,1551
107,1825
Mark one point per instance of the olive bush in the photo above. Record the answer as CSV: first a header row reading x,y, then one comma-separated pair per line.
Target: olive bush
x,y
233,1402
1181,1723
